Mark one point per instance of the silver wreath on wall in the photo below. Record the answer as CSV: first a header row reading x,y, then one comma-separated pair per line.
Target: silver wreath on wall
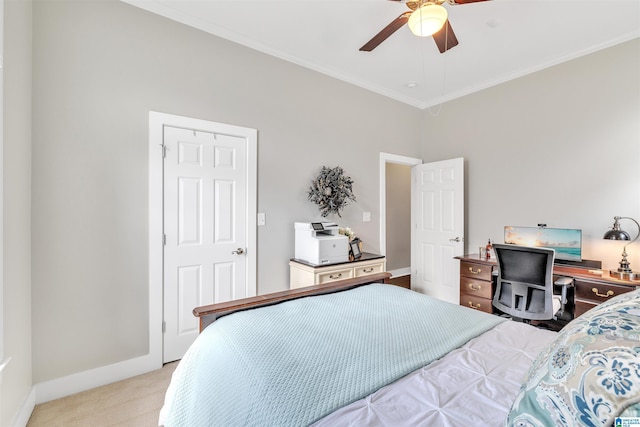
x,y
331,191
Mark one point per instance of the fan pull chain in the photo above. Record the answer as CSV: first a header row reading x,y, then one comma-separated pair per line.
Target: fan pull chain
x,y
444,74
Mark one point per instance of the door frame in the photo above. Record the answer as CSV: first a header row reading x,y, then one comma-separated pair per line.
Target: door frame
x,y
157,122
384,159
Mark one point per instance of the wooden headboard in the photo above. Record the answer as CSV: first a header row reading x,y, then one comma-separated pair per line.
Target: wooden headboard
x,y
209,313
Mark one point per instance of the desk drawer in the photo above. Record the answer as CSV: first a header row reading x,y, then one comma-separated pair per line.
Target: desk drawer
x,y
476,271
597,292
582,307
472,301
478,288
331,276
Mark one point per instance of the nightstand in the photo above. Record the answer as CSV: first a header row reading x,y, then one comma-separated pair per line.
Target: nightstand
x,y
302,273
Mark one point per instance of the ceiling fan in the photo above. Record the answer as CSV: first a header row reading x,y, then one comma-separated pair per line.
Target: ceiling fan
x,y
425,18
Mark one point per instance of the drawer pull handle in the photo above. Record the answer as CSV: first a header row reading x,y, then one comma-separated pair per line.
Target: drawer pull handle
x,y
475,307
367,270
475,288
335,276
478,271
597,292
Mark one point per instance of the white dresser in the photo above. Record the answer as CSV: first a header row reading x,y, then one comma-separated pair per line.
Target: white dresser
x,y
302,273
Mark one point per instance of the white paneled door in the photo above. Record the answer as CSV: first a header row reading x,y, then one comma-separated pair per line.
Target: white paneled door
x,y
205,227
437,218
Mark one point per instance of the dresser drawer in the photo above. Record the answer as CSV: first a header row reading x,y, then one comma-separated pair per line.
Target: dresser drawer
x,y
597,292
476,303
369,269
478,288
476,271
333,275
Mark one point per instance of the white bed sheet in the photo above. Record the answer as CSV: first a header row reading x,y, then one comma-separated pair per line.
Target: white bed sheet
x,y
473,385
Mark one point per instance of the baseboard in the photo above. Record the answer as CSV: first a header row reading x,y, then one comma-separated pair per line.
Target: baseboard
x,y
22,417
82,381
400,272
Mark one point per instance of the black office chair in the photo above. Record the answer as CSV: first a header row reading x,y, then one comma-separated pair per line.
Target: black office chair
x,y
525,283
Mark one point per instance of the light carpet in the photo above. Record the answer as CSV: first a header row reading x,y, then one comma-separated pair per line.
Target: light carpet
x,y
133,402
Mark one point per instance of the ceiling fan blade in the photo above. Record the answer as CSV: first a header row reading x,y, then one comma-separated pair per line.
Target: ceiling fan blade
x,y
445,38
386,32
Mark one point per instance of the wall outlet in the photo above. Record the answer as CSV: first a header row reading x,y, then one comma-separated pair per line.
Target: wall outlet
x,y
366,216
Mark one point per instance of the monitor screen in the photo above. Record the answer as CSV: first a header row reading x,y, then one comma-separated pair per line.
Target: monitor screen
x,y
567,242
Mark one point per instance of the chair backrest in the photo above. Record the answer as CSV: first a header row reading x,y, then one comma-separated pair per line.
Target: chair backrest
x,y
525,281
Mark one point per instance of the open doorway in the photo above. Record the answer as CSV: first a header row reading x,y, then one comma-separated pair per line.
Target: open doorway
x,y
395,214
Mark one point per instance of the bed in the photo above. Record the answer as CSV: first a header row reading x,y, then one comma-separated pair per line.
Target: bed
x,y
357,352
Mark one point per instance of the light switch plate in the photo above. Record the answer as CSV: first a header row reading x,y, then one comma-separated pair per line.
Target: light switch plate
x,y
262,218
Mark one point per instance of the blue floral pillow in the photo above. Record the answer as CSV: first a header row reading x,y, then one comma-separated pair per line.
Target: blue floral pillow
x,y
589,374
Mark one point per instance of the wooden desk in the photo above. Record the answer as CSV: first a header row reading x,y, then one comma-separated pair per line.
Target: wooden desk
x,y
590,289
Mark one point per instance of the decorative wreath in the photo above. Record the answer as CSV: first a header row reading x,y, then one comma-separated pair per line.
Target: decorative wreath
x,y
331,190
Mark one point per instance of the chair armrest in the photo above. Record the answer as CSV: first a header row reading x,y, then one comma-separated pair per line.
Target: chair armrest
x,y
565,282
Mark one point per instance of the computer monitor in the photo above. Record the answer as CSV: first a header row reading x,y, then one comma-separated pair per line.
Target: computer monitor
x,y
567,242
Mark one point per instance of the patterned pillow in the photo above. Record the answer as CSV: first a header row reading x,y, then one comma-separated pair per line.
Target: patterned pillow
x,y
589,374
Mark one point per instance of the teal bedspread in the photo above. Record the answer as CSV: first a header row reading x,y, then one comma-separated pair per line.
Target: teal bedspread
x,y
293,363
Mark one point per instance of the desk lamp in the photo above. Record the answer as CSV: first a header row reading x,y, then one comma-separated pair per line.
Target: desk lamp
x,y
616,233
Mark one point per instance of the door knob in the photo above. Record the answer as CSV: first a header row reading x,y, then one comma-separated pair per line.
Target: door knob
x,y
457,239
238,251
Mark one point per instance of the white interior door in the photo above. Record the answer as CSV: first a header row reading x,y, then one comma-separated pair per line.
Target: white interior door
x,y
205,227
437,218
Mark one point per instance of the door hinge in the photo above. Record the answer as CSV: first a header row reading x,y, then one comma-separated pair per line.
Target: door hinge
x,y
164,240
164,326
164,151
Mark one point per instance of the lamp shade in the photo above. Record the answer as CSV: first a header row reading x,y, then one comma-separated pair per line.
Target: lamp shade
x,y
427,20
616,235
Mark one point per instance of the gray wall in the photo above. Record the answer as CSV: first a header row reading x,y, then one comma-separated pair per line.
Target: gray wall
x,y
16,382
561,147
398,215
99,67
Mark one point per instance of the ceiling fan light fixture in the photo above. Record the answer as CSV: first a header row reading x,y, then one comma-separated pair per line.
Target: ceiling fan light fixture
x,y
427,20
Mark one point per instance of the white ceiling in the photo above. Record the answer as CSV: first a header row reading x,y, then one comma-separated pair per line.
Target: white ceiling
x,y
499,39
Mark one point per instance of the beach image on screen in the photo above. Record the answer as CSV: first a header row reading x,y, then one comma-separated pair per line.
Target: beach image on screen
x,y
567,242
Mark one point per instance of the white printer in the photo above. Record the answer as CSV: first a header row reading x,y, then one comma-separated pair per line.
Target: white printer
x,y
320,243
